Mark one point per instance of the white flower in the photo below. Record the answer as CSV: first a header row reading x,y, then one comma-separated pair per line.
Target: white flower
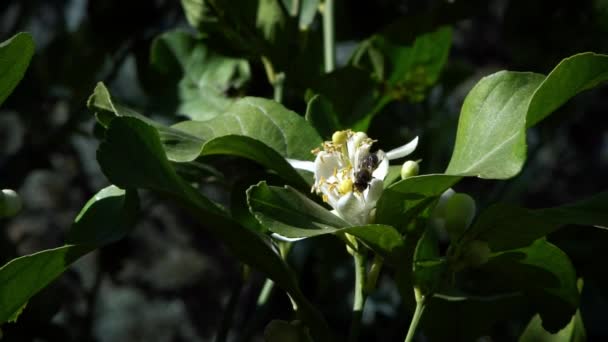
x,y
349,177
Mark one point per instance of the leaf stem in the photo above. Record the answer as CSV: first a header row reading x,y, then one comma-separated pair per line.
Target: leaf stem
x,y
329,39
278,87
420,305
360,294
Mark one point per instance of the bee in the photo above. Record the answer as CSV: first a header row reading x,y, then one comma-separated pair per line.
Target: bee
x,y
364,175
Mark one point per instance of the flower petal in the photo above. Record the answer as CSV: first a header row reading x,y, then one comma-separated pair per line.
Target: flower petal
x,y
325,164
352,209
302,164
382,169
402,151
373,193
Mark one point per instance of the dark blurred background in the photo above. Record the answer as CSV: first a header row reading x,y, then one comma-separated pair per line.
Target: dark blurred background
x,y
169,280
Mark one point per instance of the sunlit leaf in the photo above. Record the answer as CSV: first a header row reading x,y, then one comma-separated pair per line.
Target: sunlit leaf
x,y
201,78
108,216
289,213
491,136
132,155
15,56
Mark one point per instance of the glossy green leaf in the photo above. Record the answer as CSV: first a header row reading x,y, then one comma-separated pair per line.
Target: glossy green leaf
x,y
403,201
491,136
571,76
258,129
132,155
201,77
573,332
108,216
119,211
15,56
507,227
265,120
289,213
545,274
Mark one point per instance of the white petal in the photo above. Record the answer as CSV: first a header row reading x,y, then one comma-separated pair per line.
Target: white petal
x,y
353,144
373,193
352,209
402,151
360,153
382,170
302,164
325,164
286,239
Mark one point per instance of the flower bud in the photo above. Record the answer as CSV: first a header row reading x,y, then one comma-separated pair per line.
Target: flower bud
x,y
476,253
339,137
409,169
459,213
10,203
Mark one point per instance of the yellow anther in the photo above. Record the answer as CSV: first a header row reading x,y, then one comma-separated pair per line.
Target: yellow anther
x,y
345,186
325,198
339,137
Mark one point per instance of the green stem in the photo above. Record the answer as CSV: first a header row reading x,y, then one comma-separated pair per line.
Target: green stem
x,y
329,39
278,87
420,304
276,79
360,295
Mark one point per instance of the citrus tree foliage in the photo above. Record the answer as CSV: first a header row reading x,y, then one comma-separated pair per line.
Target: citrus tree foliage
x,y
498,259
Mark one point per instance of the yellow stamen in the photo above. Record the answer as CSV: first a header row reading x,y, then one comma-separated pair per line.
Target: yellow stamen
x,y
345,186
339,137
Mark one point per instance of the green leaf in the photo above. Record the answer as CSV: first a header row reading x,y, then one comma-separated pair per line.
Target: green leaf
x,y
105,218
258,129
350,100
198,13
570,77
287,212
573,332
132,156
545,274
491,139
108,216
428,268
491,136
23,277
265,120
403,201
406,70
506,227
15,56
201,77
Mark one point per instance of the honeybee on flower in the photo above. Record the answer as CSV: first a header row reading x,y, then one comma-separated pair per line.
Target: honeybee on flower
x,y
350,176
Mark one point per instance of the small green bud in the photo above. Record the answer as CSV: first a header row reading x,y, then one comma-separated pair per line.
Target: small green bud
x,y
459,213
339,137
476,253
10,203
409,169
